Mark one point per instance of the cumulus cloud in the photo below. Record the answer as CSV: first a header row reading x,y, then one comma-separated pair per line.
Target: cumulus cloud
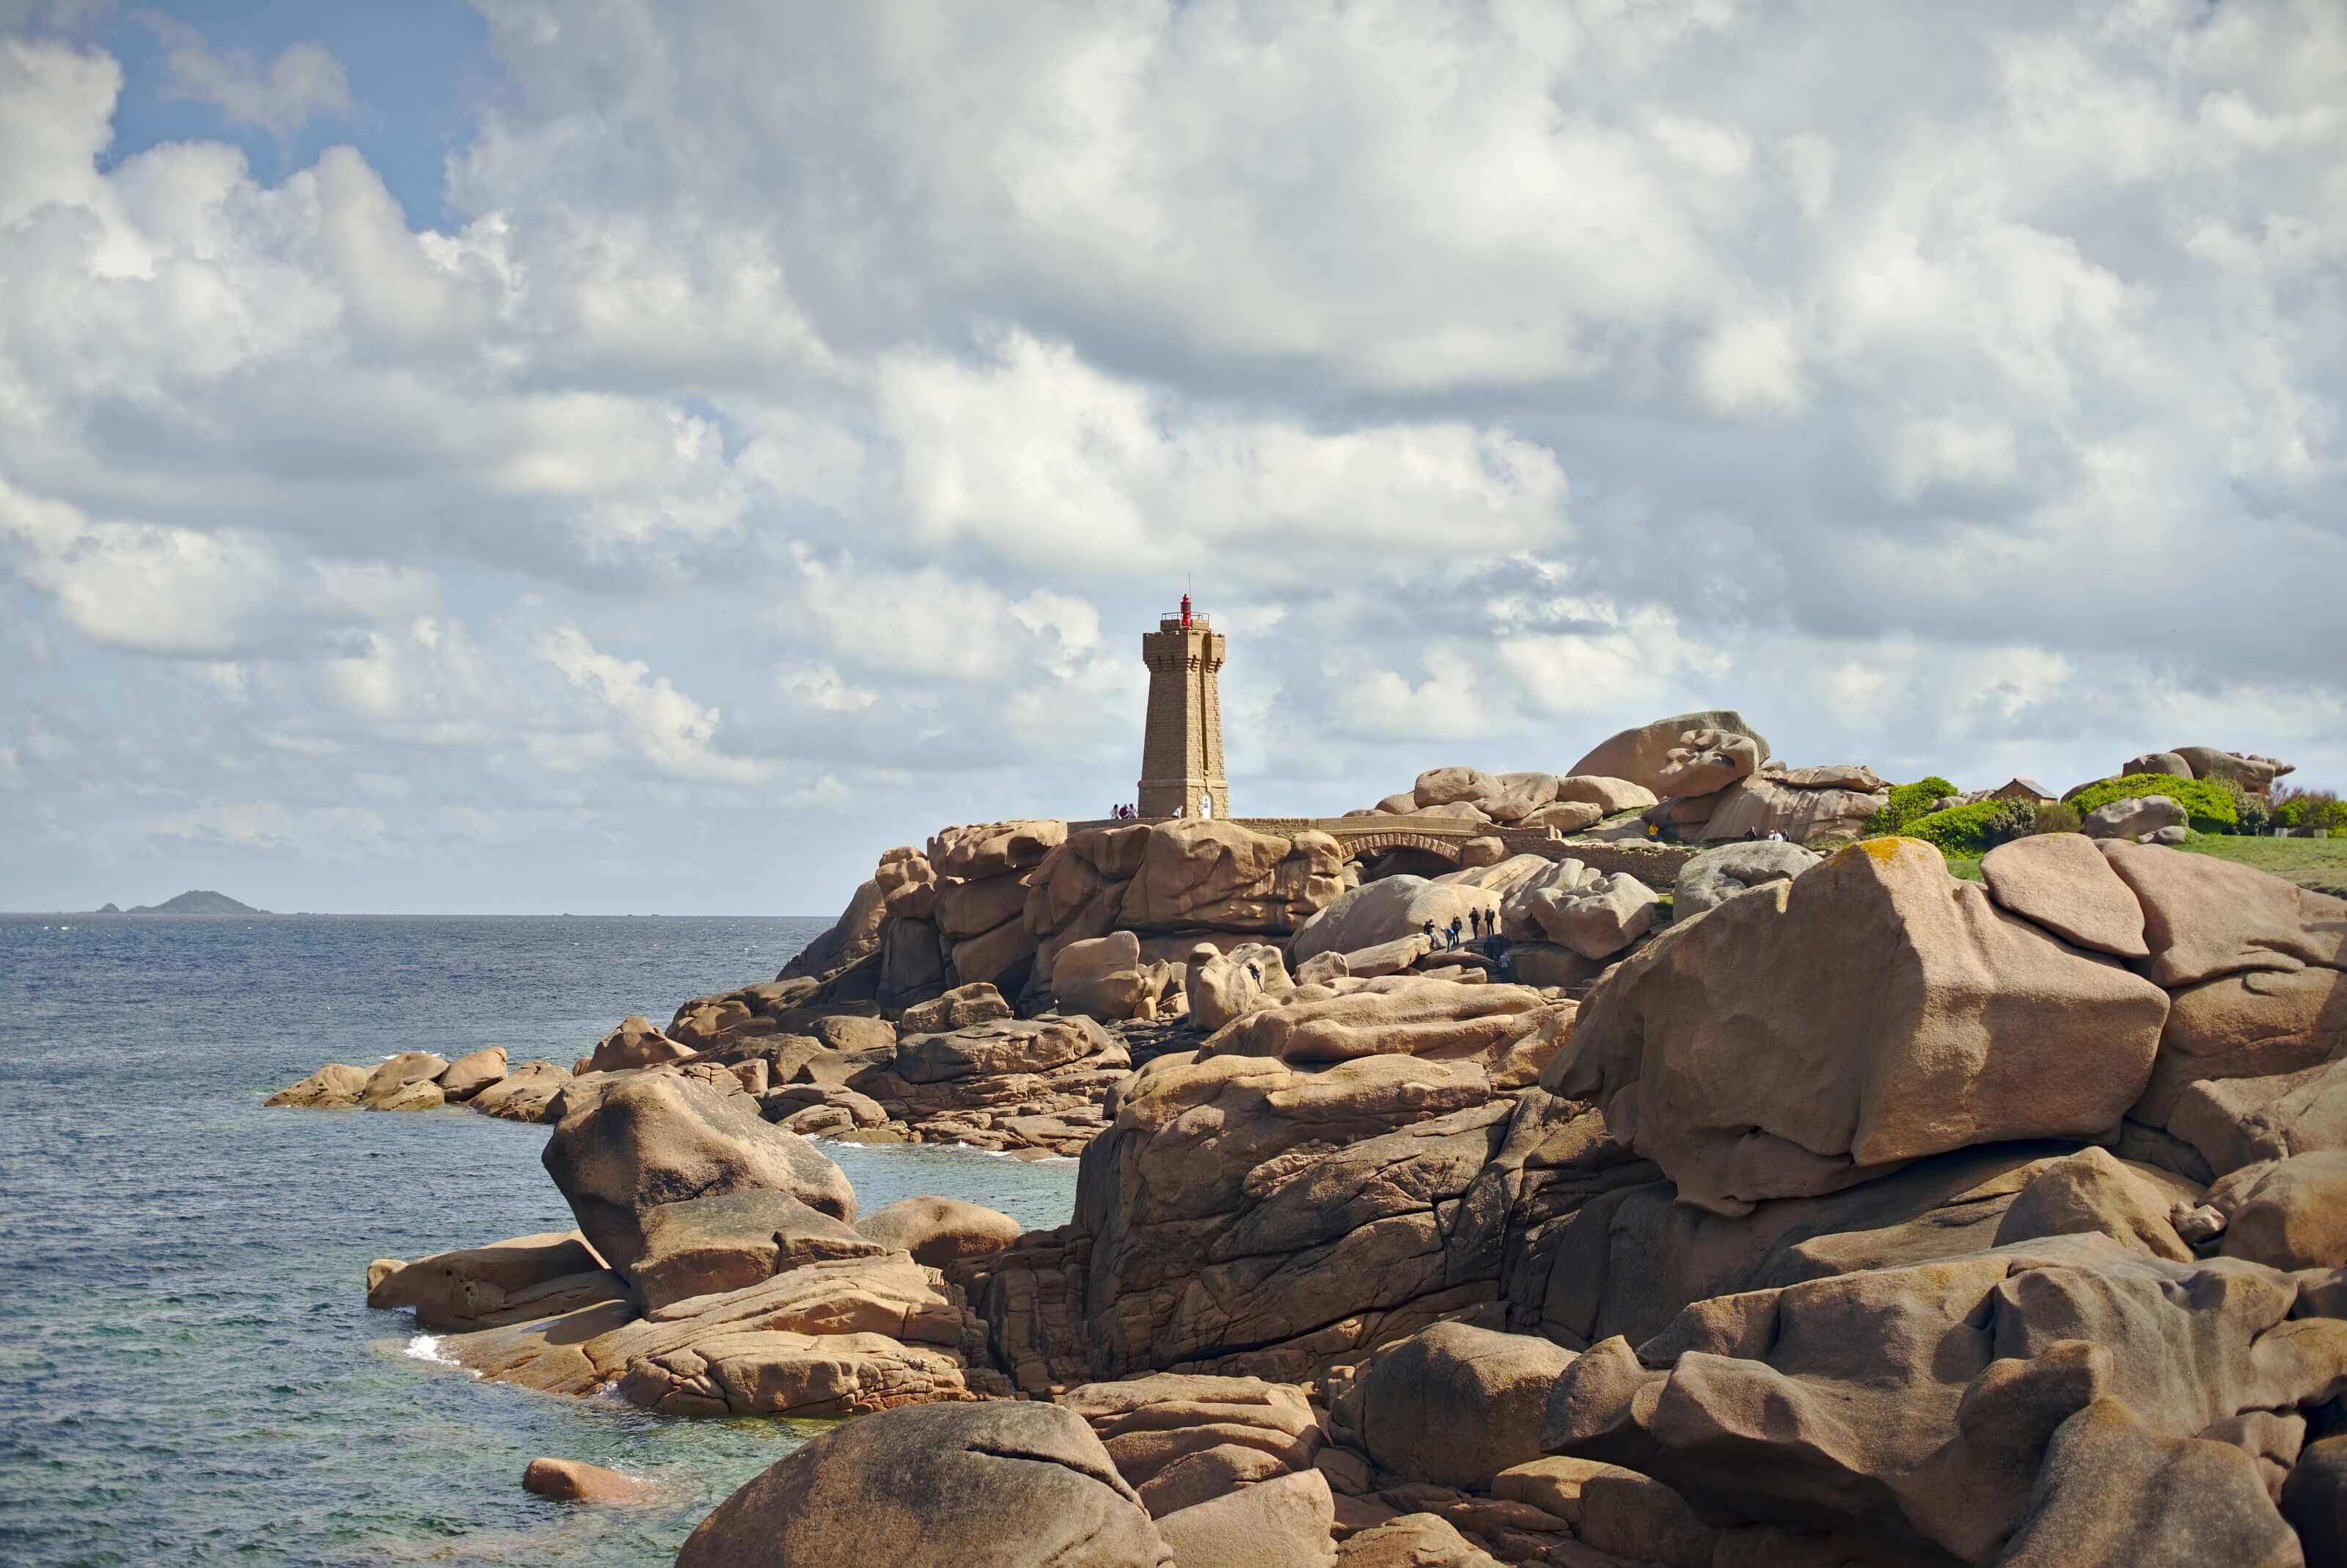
x,y
303,79
778,447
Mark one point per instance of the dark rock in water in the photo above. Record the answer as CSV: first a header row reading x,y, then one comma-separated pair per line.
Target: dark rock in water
x,y
937,1486
335,1083
198,901
515,1281
108,910
575,1481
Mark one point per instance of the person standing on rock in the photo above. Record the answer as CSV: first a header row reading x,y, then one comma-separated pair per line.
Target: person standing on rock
x,y
1428,930
1455,925
1475,924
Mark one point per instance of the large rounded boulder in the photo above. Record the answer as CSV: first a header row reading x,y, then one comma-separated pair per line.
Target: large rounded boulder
x,y
1452,1405
1809,1034
937,1486
1716,876
653,1139
1641,755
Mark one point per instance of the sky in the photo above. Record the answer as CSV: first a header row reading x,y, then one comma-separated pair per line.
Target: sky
x,y
634,456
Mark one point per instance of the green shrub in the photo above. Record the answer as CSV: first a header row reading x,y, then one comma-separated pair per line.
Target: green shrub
x,y
2054,817
2309,808
2251,815
2207,803
1908,801
1967,829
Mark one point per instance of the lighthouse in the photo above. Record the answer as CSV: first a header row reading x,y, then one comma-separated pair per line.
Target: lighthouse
x,y
1182,742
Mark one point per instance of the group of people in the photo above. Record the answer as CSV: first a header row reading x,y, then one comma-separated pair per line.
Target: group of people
x,y
1480,927
1126,813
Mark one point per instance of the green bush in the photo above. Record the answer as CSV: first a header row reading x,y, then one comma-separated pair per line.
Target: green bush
x,y
1973,829
2207,803
2309,808
2054,817
1908,801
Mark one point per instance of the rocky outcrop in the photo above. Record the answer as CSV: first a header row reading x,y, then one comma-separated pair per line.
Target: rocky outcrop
x,y
1105,977
1593,913
2256,774
1453,1404
2059,881
1245,1217
506,1282
1280,1523
401,1073
938,1487
1180,1440
1922,1411
1804,805
1641,755
1609,795
2136,817
1600,1245
646,1140
1388,910
2256,969
959,1008
1716,876
1998,1031
575,1481
824,1338
335,1083
525,1095
635,1043
856,936
423,1094
1223,986
938,1231
1016,1083
469,1074
1223,876
728,1241
1180,880
1490,1025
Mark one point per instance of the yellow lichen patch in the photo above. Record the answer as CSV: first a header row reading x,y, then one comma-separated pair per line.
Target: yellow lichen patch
x,y
1883,850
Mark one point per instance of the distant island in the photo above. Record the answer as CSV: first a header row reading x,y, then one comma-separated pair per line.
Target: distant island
x,y
198,901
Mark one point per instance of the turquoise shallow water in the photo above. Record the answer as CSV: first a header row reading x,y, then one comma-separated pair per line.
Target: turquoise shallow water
x,y
189,1371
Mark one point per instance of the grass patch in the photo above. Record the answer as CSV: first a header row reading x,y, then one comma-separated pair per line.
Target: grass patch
x,y
1965,868
2309,862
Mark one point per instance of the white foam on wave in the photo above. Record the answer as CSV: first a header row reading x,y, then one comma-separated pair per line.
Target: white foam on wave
x,y
426,1347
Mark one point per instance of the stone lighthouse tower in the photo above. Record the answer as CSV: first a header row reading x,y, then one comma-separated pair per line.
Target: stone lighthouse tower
x,y
1182,747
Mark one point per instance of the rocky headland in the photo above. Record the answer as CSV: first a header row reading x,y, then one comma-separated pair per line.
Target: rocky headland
x,y
1737,1200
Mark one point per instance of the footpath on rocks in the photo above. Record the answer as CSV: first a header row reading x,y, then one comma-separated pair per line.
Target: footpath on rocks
x,y
1808,1205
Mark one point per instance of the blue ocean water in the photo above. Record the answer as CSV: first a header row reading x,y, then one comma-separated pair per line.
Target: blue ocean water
x,y
189,1371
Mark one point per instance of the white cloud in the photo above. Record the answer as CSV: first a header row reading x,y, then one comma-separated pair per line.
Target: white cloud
x,y
674,733
302,80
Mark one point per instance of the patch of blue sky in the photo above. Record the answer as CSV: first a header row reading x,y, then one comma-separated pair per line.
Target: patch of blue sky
x,y
419,72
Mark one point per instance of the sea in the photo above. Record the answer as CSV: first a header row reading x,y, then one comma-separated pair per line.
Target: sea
x,y
188,1369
